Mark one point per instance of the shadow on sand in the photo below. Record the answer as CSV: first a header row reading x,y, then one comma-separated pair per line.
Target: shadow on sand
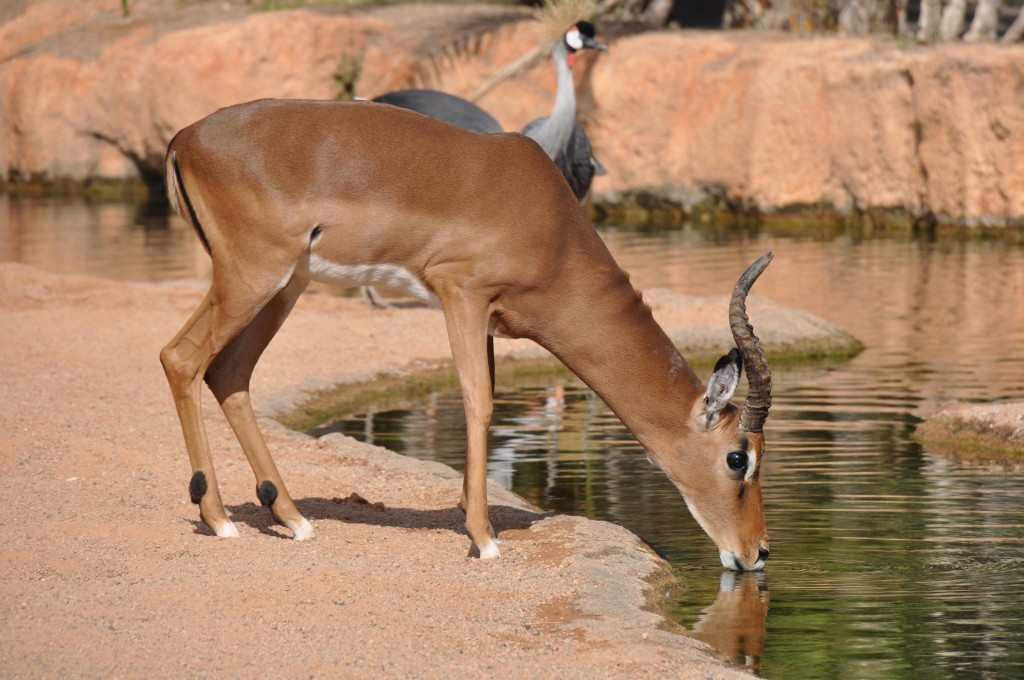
x,y
356,510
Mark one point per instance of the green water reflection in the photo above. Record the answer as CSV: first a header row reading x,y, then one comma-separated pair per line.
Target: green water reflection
x,y
887,561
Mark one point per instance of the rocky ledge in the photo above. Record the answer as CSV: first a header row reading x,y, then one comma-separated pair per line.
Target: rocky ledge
x,y
992,431
747,121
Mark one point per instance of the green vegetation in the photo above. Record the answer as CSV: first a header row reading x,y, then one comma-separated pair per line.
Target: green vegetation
x,y
395,390
384,390
649,212
104,189
970,441
346,76
276,5
644,212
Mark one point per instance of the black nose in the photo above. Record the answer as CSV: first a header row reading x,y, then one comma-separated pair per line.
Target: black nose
x,y
763,553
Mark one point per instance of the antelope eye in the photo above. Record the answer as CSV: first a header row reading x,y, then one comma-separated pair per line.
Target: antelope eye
x,y
736,460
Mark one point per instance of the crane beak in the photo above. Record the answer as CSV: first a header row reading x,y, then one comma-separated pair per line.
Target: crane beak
x,y
590,43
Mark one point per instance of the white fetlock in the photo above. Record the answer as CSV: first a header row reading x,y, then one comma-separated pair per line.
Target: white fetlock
x,y
302,530
226,529
490,551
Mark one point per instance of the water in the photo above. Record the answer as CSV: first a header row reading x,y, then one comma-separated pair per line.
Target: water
x,y
110,239
887,560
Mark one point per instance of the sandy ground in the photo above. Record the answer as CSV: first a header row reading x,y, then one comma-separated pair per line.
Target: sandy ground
x,y
107,572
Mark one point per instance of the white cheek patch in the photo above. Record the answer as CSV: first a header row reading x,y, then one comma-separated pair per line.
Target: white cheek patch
x,y
351,275
573,39
751,465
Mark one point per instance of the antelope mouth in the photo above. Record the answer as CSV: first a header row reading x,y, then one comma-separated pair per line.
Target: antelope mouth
x,y
730,561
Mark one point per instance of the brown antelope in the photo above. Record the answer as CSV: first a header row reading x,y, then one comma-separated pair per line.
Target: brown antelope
x,y
484,226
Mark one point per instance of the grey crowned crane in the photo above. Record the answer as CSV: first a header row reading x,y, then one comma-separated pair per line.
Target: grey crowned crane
x,y
558,134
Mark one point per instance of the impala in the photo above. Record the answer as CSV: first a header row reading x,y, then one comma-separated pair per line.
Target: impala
x,y
355,193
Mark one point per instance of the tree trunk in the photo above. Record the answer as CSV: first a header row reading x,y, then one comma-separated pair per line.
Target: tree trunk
x,y
1016,29
986,18
928,23
745,13
902,29
657,13
854,19
952,24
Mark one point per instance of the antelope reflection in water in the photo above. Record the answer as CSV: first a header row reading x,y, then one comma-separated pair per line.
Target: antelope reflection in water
x,y
734,623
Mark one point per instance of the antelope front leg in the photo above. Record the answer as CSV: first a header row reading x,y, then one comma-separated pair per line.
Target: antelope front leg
x,y
490,366
466,321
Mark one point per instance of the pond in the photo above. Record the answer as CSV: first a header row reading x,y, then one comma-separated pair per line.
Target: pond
x,y
111,239
887,559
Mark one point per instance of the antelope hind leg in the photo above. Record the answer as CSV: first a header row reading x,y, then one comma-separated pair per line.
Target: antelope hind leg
x,y
228,378
185,360
223,314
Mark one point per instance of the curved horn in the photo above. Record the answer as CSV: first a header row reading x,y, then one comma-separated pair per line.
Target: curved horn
x,y
759,377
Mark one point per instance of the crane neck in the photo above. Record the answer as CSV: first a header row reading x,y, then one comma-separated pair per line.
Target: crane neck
x,y
554,134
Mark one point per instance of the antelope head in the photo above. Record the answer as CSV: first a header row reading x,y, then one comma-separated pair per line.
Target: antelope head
x,y
717,464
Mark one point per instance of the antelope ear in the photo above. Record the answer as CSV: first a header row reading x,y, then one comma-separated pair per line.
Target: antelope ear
x,y
722,385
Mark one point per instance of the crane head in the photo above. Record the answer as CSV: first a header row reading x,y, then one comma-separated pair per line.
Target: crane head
x,y
580,36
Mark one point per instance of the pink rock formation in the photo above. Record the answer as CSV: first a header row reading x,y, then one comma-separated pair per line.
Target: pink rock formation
x,y
855,124
762,121
109,110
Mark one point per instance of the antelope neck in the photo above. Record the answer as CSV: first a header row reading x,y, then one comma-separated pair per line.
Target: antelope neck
x,y
630,363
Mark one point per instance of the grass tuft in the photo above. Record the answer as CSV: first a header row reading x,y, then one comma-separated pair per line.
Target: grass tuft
x,y
555,16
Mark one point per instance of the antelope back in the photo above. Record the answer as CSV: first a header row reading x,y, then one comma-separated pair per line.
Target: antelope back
x,y
383,184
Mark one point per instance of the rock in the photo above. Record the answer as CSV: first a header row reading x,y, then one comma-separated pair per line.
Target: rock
x,y
66,114
697,326
985,431
774,123
752,120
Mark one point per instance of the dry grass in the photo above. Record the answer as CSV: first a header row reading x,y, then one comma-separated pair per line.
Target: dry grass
x,y
558,15
552,21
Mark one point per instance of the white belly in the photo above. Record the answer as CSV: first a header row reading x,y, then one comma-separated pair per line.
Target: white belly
x,y
387,275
